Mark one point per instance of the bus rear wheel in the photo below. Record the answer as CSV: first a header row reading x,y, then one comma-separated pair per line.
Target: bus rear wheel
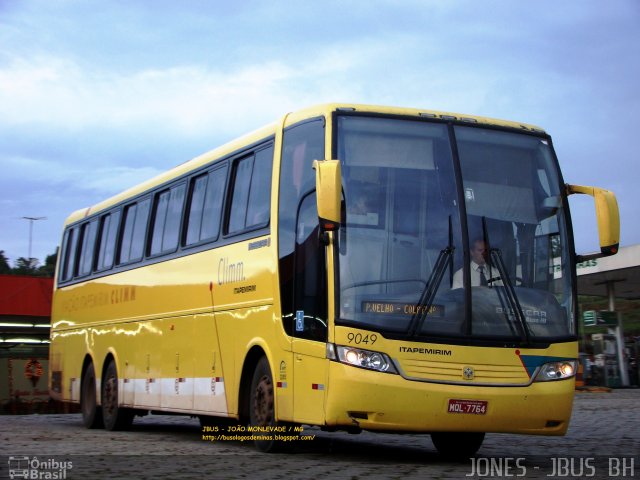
x,y
262,417
457,445
114,416
91,414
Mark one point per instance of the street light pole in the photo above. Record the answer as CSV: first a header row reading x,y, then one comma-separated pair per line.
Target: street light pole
x,y
31,220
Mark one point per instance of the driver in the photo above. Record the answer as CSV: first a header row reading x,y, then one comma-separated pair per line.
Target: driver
x,y
479,269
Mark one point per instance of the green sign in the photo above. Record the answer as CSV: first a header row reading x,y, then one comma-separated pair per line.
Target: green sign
x,y
592,318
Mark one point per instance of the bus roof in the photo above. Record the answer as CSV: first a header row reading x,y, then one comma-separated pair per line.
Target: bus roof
x,y
287,120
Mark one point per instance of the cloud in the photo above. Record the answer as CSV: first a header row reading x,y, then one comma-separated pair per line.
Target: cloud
x,y
186,100
105,180
95,98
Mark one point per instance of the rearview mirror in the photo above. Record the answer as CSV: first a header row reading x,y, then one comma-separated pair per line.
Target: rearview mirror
x,y
328,193
607,215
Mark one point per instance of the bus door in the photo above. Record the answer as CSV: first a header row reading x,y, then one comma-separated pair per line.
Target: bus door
x,y
384,218
310,365
403,216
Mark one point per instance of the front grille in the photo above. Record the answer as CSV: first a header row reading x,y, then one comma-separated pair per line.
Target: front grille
x,y
452,372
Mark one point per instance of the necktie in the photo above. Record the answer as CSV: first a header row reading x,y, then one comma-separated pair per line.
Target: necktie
x,y
483,279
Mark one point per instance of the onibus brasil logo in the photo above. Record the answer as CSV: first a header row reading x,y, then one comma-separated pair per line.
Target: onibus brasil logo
x,y
34,468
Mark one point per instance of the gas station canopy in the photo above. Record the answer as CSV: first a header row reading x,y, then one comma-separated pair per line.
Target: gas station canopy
x,y
620,272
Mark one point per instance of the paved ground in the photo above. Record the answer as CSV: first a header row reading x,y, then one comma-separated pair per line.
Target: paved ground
x,y
603,436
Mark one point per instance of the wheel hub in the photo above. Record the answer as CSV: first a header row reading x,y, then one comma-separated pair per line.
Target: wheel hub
x,y
263,404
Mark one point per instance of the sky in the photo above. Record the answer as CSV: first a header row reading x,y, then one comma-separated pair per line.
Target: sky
x,y
97,96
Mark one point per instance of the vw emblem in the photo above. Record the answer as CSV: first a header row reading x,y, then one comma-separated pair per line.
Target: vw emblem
x,y
468,373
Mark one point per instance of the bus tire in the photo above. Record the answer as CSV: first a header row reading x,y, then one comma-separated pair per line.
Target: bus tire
x,y
114,416
91,414
457,445
262,410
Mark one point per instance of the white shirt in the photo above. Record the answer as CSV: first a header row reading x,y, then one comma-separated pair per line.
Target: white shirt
x,y
475,276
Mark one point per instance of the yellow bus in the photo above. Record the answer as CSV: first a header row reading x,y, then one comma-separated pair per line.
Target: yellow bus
x,y
349,267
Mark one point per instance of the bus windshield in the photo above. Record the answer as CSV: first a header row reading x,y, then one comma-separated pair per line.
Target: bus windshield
x,y
452,232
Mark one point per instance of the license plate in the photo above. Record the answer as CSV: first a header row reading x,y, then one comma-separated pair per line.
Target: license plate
x,y
471,407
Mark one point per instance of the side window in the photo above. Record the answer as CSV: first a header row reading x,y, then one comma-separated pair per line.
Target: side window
x,y
167,218
196,205
135,228
251,191
260,194
160,217
108,235
207,193
213,204
240,196
88,233
69,244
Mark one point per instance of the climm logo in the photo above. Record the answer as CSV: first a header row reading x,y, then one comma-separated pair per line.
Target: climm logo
x,y
101,299
123,294
230,272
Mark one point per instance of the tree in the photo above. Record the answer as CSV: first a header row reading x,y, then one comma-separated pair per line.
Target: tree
x,y
25,266
49,267
4,264
29,266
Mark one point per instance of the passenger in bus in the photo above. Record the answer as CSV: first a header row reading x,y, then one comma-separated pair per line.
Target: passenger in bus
x,y
479,268
360,207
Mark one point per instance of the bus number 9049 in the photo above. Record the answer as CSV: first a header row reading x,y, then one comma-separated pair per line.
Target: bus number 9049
x,y
358,338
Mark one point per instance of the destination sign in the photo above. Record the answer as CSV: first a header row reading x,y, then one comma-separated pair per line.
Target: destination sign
x,y
396,308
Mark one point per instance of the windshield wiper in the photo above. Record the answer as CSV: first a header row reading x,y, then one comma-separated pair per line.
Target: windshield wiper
x,y
431,288
429,292
510,293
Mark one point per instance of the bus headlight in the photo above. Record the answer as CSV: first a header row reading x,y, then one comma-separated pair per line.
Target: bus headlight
x,y
358,357
557,370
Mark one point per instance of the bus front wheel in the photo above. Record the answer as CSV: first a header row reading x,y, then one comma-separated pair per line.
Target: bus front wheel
x,y
262,417
91,414
114,416
457,445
